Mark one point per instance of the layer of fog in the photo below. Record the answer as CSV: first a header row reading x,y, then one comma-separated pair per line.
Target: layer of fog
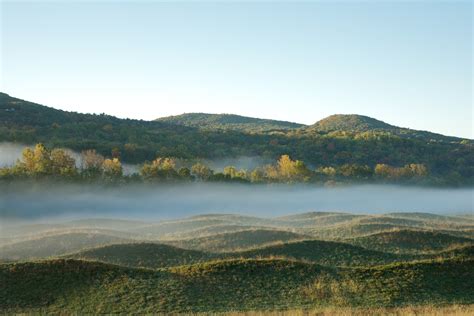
x,y
243,162
156,202
10,153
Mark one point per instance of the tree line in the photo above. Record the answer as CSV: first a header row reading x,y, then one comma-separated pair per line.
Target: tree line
x,y
42,162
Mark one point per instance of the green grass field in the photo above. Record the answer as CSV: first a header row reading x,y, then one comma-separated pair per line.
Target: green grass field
x,y
225,285
228,263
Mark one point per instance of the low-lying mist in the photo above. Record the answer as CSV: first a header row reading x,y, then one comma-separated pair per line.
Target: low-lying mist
x,y
10,153
42,201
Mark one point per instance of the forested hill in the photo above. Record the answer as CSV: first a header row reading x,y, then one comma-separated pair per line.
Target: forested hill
x,y
350,122
354,123
334,124
448,160
230,122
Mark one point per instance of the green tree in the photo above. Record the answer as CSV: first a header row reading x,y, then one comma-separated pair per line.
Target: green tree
x,y
160,168
356,171
184,173
292,170
62,163
257,175
201,171
36,161
327,171
230,171
92,163
384,171
112,168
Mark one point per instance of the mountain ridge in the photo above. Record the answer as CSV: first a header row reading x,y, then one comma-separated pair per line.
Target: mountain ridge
x,y
229,121
335,122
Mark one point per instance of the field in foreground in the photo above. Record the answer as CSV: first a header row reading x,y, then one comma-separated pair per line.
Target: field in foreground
x,y
396,263
225,285
452,310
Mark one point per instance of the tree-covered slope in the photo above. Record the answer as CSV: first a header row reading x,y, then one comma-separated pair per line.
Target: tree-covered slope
x,y
136,140
354,123
350,122
229,122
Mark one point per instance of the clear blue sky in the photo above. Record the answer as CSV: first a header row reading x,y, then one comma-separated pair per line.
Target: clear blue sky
x,y
407,63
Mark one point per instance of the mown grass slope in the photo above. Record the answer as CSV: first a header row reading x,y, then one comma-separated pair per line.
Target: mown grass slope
x,y
69,286
317,219
90,287
434,217
324,252
435,282
170,228
418,221
348,230
237,240
147,255
55,245
458,252
67,231
410,241
211,231
350,226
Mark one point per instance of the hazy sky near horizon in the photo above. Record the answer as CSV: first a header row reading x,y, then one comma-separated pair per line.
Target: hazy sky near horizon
x,y
403,62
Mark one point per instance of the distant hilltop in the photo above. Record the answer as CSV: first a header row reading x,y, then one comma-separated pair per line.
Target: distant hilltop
x,y
229,121
353,123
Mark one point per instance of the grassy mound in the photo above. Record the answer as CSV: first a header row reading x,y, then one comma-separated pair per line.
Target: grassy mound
x,y
161,230
459,252
425,282
317,219
416,220
237,240
349,230
325,252
434,217
410,241
210,231
56,245
89,223
90,287
148,255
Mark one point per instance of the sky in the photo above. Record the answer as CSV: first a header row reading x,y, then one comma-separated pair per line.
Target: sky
x,y
406,63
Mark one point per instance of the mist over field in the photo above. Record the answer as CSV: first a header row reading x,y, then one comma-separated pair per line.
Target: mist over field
x,y
244,162
42,201
10,153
